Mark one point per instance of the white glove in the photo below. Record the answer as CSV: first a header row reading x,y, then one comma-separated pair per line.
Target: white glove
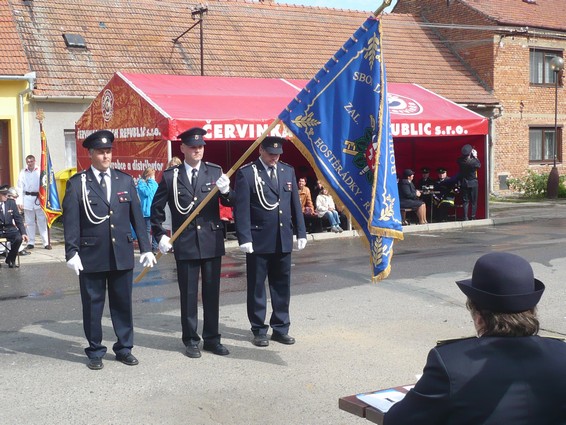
x,y
223,184
147,259
301,243
75,264
247,247
164,245
474,153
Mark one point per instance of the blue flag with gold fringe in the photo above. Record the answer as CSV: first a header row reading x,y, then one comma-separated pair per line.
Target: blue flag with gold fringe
x,y
341,123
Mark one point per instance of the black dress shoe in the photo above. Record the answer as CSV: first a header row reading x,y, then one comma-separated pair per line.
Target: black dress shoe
x,y
48,247
95,364
192,351
128,359
24,252
30,246
283,338
217,349
260,341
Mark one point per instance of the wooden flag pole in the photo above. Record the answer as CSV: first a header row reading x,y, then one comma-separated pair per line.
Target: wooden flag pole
x,y
210,195
382,7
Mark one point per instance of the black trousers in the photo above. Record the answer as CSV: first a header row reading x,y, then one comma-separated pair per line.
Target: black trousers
x,y
188,276
93,294
277,269
13,235
470,196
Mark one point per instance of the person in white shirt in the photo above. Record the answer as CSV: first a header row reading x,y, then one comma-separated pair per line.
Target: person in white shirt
x,y
28,187
325,207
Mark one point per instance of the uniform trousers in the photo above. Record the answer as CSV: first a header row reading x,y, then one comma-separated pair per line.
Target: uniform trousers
x,y
13,235
188,277
277,269
31,216
93,293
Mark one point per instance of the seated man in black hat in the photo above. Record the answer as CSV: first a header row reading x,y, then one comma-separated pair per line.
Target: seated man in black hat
x,y
11,225
504,375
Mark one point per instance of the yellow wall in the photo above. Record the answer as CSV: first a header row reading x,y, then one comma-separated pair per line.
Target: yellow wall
x,y
9,110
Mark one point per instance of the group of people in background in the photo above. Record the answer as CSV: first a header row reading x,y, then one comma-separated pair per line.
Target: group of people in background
x,y
22,216
440,194
102,211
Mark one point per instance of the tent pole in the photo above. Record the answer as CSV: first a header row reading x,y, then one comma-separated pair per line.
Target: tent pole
x,y
211,194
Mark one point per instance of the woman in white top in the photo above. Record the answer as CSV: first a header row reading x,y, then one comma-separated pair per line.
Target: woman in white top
x,y
325,207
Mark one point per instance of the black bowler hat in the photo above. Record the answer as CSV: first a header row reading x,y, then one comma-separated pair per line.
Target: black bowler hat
x,y
273,145
193,137
408,172
441,170
502,283
99,140
425,170
466,150
4,189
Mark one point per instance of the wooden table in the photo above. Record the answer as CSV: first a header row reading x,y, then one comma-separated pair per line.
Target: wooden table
x,y
355,406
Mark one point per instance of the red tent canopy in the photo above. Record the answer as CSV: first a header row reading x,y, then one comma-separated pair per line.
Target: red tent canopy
x,y
159,107
144,111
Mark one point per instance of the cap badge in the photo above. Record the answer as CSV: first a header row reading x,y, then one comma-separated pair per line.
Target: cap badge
x,y
104,140
276,145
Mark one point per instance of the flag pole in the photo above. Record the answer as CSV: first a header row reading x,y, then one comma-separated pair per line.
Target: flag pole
x,y
208,197
40,116
385,4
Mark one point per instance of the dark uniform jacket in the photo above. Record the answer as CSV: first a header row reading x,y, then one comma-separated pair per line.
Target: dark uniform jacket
x,y
267,230
468,171
408,195
12,218
108,245
489,381
204,236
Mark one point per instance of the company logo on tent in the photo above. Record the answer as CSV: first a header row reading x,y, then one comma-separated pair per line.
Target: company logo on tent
x,y
402,105
107,105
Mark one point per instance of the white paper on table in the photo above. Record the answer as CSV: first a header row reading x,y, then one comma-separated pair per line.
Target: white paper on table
x,y
382,400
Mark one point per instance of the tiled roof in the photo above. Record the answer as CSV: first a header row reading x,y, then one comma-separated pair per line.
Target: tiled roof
x,y
12,58
544,14
241,38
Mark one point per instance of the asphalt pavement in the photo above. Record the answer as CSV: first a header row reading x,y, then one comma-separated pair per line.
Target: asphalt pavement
x,y
501,212
352,337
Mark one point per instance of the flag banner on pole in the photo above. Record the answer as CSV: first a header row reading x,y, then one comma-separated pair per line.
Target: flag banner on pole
x,y
340,122
48,196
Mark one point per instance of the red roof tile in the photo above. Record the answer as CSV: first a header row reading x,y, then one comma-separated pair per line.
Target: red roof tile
x,y
547,14
241,38
12,58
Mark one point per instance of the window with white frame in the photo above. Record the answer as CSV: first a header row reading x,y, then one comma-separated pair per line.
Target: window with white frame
x,y
70,149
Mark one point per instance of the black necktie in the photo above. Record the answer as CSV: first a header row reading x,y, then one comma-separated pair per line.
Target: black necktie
x,y
103,185
273,175
194,179
2,217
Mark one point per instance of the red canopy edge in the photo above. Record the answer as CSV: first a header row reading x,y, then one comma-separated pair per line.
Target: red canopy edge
x,y
152,107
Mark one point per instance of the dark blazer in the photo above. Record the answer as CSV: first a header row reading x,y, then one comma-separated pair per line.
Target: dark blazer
x,y
408,195
108,245
12,218
256,224
468,170
204,236
489,381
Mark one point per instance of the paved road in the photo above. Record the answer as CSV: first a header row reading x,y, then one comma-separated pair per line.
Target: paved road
x,y
352,336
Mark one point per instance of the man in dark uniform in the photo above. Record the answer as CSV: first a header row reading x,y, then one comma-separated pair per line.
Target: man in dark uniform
x,y
426,180
507,374
200,247
99,206
469,165
11,225
267,205
444,199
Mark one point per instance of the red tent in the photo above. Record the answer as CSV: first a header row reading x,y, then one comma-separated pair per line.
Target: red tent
x,y
146,112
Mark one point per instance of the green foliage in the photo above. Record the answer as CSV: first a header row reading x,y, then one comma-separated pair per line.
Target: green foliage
x,y
533,185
